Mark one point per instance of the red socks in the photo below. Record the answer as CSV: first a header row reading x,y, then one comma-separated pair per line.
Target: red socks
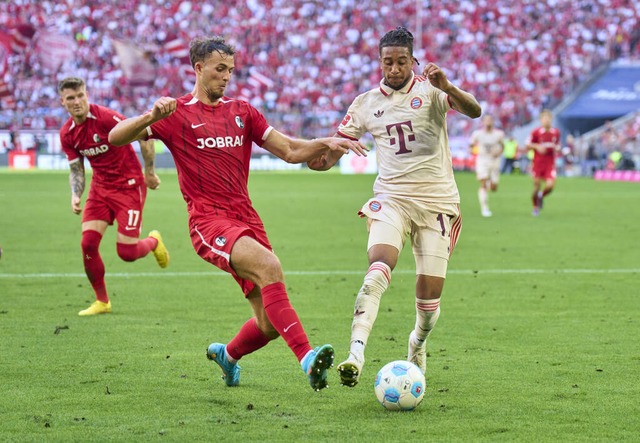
x,y
132,252
249,339
284,318
93,265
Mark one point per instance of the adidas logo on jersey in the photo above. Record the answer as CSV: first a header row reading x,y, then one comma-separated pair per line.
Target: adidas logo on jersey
x,y
378,114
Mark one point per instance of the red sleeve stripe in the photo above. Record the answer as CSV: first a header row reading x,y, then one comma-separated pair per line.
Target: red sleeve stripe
x,y
378,266
343,135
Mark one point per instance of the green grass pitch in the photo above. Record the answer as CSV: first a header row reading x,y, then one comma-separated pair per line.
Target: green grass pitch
x,y
538,338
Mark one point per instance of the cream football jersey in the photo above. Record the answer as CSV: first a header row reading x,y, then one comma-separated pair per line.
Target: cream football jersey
x,y
410,132
489,142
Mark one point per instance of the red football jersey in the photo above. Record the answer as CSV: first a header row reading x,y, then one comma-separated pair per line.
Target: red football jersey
x,y
550,139
113,166
211,147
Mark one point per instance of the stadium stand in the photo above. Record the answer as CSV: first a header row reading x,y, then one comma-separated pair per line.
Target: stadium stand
x,y
516,57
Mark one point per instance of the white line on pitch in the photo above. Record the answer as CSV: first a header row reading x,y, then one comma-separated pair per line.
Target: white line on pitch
x,y
332,272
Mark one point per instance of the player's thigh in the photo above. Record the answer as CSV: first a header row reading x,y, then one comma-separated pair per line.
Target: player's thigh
x,y
127,204
97,214
483,169
100,226
387,222
433,242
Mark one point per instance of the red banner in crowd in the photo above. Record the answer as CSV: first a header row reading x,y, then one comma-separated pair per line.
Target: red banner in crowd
x,y
54,49
136,66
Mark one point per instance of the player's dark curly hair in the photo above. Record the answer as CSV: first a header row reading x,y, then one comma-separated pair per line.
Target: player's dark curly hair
x,y
398,37
200,48
70,83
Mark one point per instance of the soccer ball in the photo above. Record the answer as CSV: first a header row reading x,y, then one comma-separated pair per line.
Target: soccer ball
x,y
400,386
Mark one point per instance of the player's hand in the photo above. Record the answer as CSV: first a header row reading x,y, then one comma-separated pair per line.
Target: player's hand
x,y
436,76
76,206
163,107
318,163
345,145
151,180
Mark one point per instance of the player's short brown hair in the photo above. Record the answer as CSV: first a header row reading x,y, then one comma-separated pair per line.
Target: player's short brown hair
x,y
200,48
398,37
70,83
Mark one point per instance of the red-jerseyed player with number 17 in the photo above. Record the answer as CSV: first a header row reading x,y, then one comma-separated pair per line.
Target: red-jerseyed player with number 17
x,y
118,187
210,137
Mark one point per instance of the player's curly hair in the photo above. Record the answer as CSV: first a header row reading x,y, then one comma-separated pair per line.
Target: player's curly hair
x,y
70,83
397,37
200,48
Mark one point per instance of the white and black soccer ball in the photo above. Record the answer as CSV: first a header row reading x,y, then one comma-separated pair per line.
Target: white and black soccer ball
x,y
399,386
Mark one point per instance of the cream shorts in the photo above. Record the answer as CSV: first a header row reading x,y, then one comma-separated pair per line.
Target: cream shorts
x,y
433,228
488,168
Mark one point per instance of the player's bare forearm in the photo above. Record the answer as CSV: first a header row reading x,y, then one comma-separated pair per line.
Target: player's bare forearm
x,y
134,128
129,130
464,102
76,178
300,151
148,155
461,101
77,183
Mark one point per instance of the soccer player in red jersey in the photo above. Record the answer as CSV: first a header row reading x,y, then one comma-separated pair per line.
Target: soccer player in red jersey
x,y
545,141
117,189
210,137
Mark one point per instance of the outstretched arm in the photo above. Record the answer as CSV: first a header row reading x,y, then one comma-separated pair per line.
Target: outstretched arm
x,y
77,183
326,160
295,150
461,101
134,128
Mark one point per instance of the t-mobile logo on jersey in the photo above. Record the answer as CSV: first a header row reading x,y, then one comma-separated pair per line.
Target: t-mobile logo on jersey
x,y
401,140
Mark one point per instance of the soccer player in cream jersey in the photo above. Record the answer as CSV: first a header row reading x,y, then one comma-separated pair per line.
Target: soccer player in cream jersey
x,y
490,143
415,194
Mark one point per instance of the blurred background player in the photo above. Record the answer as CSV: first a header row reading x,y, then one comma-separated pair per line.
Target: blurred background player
x,y
490,143
210,137
415,193
545,142
118,188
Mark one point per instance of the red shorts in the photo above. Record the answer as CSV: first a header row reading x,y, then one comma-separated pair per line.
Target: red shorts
x,y
546,171
213,239
123,205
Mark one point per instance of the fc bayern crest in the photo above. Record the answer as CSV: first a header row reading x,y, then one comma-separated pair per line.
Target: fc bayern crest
x,y
239,122
416,102
96,138
375,206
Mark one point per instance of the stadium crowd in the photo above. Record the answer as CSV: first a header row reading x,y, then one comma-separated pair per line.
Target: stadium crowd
x,y
314,57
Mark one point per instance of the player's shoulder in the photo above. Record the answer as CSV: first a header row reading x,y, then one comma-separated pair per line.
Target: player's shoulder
x,y
422,84
98,110
66,125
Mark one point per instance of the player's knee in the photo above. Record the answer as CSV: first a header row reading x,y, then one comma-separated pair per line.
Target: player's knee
x,y
269,270
127,252
90,241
